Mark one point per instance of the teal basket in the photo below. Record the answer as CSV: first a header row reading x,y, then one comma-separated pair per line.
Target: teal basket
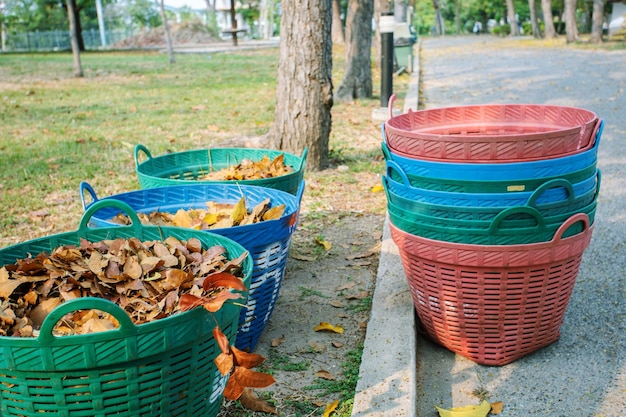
x,y
267,242
161,368
184,168
553,212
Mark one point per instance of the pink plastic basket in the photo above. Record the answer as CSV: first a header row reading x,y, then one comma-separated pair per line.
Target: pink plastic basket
x,y
493,304
491,133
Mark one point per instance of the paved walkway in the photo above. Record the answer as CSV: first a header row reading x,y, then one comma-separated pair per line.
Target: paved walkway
x,y
584,373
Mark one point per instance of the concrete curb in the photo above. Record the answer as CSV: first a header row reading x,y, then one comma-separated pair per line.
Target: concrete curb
x,y
387,382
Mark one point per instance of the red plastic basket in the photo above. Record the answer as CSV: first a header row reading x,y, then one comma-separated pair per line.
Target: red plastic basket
x,y
492,133
493,304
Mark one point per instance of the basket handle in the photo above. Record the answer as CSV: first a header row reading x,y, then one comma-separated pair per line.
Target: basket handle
x,y
300,192
393,166
382,132
495,224
578,217
85,187
135,223
597,131
127,327
392,100
305,152
143,149
386,151
557,182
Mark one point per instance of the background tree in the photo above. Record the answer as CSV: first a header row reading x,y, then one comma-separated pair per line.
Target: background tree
x,y
166,29
357,78
533,20
72,13
597,18
337,31
571,31
510,12
548,20
304,90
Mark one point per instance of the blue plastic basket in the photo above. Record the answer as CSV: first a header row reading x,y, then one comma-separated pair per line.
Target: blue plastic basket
x,y
268,242
568,207
552,191
501,171
161,368
185,168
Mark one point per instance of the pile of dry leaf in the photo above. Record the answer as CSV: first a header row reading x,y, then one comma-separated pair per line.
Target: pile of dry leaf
x,y
251,170
215,216
149,280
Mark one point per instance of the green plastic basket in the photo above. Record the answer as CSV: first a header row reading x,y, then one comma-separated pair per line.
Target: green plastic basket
x,y
501,231
160,368
184,168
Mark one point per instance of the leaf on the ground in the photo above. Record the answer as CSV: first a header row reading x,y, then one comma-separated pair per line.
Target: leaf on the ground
x,y
480,410
358,296
360,255
346,286
249,400
302,257
497,407
324,243
337,344
278,341
242,378
377,188
337,303
325,375
325,326
330,407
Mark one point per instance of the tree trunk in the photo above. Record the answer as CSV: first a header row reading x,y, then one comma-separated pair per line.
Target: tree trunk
x,y
78,26
168,37
71,15
548,20
357,78
457,16
338,36
596,21
571,31
304,91
533,20
438,23
267,18
510,13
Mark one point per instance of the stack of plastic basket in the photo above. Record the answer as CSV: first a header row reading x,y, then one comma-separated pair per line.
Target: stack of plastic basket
x,y
161,368
492,207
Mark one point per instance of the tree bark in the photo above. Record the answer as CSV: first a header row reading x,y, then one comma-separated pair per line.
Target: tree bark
x,y
338,35
571,31
457,16
168,37
267,18
596,21
548,20
510,12
304,91
533,20
357,78
71,15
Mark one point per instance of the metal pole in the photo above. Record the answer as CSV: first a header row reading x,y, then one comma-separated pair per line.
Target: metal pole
x,y
100,14
387,24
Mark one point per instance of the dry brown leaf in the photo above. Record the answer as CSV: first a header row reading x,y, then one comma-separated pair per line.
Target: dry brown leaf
x,y
337,303
41,310
302,257
497,407
358,296
249,400
318,347
278,341
325,375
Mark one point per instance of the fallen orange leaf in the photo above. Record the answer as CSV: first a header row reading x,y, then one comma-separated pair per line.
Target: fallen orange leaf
x,y
496,408
480,410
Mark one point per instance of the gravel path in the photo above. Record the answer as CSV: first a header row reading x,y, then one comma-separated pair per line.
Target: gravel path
x,y
584,373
